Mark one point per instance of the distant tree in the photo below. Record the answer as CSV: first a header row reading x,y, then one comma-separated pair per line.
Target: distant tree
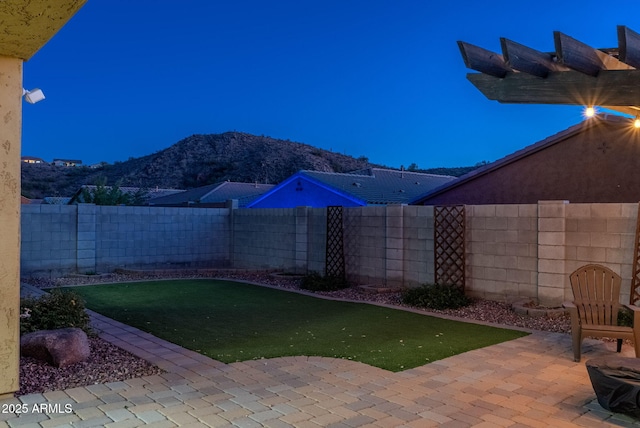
x,y
412,167
110,195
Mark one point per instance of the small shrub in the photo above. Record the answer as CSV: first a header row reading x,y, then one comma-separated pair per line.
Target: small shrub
x,y
316,282
625,317
436,296
58,309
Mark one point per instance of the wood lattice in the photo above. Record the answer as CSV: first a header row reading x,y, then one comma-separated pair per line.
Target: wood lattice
x,y
335,243
634,295
449,243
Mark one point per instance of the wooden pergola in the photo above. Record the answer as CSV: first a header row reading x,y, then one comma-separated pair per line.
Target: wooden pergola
x,y
575,74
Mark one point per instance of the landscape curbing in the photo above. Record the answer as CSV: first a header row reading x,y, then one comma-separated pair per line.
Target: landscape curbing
x,y
527,307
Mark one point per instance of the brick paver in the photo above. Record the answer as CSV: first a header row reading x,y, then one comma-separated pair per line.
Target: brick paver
x,y
531,381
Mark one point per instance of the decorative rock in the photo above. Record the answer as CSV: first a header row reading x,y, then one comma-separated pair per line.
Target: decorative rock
x,y
60,348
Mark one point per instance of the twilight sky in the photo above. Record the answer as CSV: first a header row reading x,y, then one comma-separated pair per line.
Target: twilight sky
x,y
377,78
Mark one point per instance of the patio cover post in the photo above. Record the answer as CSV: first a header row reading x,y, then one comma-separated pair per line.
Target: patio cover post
x,y
11,117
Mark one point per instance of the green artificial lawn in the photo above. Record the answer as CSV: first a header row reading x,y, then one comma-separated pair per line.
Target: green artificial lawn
x,y
233,321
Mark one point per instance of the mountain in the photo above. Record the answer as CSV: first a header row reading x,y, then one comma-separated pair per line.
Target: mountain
x,y
197,161
194,161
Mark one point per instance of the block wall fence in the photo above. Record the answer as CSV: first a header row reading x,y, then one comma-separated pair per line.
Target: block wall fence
x,y
513,252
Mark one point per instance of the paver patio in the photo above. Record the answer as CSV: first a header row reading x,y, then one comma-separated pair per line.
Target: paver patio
x,y
531,381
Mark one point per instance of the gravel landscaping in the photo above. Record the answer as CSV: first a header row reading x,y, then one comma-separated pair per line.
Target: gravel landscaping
x,y
109,363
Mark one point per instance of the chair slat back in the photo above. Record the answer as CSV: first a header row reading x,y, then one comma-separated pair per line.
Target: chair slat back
x,y
596,293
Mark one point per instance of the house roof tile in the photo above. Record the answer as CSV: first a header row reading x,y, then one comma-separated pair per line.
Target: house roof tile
x,y
378,186
215,193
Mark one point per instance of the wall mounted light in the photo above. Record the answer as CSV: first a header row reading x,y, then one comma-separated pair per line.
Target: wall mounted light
x,y
636,122
33,96
589,111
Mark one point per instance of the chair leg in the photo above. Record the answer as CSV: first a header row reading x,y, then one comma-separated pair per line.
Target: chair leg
x,y
636,342
577,343
619,347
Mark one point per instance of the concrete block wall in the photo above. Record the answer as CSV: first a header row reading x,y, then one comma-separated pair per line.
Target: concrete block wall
x,y
603,234
513,251
48,240
317,240
365,244
62,239
418,248
265,238
160,237
502,261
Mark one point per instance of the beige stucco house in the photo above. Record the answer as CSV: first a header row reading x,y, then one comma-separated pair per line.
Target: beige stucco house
x,y
27,26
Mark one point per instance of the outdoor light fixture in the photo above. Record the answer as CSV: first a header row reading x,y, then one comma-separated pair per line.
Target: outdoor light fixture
x,y
33,96
636,123
589,111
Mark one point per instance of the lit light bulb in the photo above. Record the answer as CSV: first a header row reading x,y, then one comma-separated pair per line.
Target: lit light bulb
x,y
589,111
636,123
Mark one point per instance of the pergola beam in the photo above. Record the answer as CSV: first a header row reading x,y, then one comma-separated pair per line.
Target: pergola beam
x,y
611,88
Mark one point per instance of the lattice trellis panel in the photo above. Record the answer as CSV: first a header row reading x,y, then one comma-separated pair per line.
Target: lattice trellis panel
x,y
335,243
449,242
634,295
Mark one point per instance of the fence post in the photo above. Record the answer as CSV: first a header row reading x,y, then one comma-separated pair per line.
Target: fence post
x,y
394,245
232,206
551,252
86,249
302,240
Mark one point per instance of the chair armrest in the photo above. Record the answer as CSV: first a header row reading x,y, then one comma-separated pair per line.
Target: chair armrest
x,y
633,308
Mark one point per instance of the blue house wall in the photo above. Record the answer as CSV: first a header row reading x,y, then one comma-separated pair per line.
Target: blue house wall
x,y
298,191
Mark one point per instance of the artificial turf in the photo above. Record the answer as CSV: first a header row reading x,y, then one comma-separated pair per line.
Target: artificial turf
x,y
234,321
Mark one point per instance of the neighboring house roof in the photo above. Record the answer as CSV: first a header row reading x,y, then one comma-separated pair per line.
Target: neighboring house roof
x,y
378,186
371,186
214,194
32,159
68,161
593,161
24,200
150,193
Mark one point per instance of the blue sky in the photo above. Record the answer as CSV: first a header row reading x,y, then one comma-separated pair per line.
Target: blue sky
x,y
374,78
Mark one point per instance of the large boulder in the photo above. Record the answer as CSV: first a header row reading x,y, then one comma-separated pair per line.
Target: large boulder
x,y
59,348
